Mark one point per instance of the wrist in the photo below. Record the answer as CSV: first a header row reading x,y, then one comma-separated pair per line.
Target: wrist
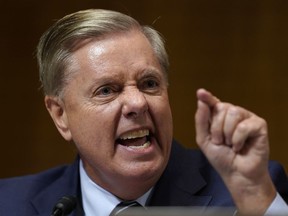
x,y
253,199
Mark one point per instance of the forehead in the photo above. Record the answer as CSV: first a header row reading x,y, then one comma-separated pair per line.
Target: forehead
x,y
124,49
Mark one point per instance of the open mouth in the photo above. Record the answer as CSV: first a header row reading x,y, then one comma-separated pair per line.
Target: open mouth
x,y
135,139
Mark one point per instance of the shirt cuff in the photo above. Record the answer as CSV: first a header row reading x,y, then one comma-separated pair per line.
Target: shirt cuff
x,y
278,207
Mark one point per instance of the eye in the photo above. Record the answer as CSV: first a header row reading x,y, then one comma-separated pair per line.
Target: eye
x,y
106,91
150,85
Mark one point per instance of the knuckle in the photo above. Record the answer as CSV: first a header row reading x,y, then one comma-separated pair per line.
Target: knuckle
x,y
243,126
234,111
263,122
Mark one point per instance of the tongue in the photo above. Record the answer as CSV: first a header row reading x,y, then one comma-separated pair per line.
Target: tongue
x,y
133,142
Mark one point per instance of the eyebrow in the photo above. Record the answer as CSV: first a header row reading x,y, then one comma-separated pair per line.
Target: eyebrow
x,y
150,71
146,72
159,74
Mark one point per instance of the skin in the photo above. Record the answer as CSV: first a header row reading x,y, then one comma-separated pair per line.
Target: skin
x,y
116,89
235,141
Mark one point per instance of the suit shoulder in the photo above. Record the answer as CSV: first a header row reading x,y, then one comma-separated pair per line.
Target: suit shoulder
x,y
27,186
43,176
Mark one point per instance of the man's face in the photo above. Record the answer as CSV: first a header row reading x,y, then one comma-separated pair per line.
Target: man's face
x,y
116,110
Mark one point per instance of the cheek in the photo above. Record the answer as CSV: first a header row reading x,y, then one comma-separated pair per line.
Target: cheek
x,y
161,112
95,142
94,127
161,108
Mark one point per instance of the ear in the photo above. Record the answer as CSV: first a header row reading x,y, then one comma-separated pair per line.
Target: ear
x,y
56,109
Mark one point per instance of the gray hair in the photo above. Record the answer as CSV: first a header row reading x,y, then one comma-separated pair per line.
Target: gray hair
x,y
58,43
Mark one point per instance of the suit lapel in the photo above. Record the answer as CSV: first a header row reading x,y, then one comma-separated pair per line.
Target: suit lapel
x,y
67,183
179,190
181,182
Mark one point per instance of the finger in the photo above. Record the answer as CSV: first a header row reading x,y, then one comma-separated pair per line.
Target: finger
x,y
247,130
234,116
217,123
219,111
202,125
207,97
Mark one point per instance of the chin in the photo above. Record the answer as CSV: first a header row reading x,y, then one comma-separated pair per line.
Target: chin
x,y
145,172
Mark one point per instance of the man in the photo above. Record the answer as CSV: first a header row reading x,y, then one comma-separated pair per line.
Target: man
x,y
105,82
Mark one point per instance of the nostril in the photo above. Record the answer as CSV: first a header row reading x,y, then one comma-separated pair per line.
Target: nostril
x,y
132,115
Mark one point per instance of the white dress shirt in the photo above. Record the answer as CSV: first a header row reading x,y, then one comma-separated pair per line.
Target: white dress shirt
x,y
277,207
96,200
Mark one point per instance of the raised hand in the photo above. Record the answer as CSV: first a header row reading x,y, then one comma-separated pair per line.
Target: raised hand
x,y
235,141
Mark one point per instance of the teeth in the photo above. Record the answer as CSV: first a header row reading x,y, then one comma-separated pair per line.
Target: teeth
x,y
135,134
145,145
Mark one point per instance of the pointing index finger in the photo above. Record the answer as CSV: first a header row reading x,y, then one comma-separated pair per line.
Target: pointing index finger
x,y
206,97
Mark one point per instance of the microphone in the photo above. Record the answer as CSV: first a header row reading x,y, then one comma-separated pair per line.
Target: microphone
x,y
64,206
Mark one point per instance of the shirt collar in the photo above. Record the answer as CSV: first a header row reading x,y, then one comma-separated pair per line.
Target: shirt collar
x,y
98,201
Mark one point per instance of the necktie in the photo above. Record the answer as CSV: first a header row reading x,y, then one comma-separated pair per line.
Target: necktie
x,y
123,208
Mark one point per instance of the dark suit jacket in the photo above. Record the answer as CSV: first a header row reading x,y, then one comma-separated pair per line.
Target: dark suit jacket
x,y
188,180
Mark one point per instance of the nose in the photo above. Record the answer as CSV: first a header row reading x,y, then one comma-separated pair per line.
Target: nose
x,y
134,103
